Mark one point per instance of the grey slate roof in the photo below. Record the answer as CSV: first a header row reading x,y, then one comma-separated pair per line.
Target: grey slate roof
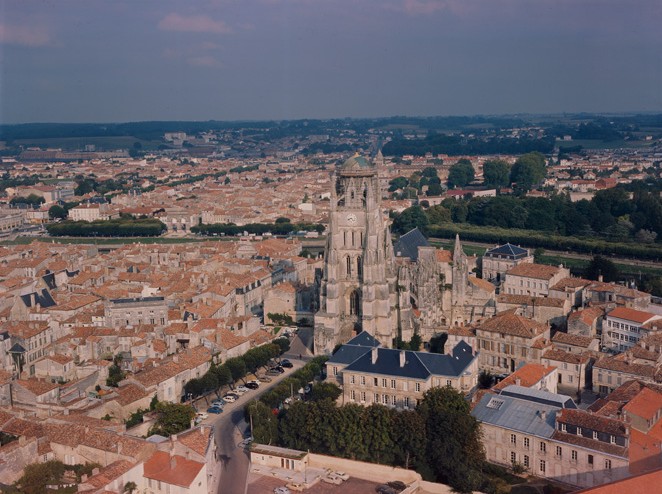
x,y
539,396
509,250
408,244
516,414
347,354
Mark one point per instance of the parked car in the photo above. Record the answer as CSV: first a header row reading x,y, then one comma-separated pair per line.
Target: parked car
x,y
342,475
295,486
214,409
241,389
201,415
264,379
332,479
385,489
278,368
229,398
286,363
218,402
252,385
398,485
273,372
282,490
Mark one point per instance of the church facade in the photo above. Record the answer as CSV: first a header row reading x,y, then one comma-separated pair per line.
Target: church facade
x,y
367,286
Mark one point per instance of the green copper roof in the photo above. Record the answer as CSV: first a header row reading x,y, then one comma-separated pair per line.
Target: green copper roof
x,y
356,162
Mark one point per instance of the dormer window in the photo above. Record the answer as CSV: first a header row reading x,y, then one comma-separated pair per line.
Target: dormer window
x,y
595,434
563,428
579,431
612,439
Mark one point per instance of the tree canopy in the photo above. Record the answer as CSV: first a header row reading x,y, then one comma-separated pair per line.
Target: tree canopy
x,y
528,171
461,173
496,173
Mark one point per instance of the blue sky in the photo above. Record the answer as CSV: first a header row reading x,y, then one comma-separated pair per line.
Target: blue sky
x,y
118,60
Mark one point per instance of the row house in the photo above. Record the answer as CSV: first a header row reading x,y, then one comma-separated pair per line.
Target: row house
x,y
614,295
572,370
624,327
546,310
370,374
586,322
610,372
496,262
168,377
509,340
547,435
533,279
570,289
29,342
136,312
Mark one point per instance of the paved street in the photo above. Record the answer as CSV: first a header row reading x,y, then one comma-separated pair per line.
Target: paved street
x,y
230,428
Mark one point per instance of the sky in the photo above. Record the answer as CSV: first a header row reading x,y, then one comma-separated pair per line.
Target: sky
x,y
136,60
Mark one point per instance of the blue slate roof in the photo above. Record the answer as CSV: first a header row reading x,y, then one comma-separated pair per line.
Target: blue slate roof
x,y
42,298
417,365
508,250
364,339
347,354
408,244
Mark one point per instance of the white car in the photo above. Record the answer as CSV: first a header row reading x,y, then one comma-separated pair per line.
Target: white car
x,y
229,399
341,475
281,490
241,389
202,415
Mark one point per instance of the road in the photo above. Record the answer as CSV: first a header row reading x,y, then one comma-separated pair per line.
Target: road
x,y
230,428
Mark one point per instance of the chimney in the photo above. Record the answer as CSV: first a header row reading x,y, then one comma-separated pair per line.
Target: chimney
x,y
543,414
175,358
518,381
95,471
600,278
402,358
83,478
374,355
173,462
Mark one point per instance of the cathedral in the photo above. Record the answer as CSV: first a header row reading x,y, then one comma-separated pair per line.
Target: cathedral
x,y
367,285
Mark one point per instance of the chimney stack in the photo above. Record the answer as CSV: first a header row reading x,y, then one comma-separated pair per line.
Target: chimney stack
x,y
518,381
173,462
374,355
402,358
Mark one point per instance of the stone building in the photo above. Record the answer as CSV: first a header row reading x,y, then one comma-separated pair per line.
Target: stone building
x,y
136,311
368,284
362,286
498,260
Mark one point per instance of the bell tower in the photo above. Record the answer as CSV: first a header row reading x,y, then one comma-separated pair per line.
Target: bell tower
x,y
358,290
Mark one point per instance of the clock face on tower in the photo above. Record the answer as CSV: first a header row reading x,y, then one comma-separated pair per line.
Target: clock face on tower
x,y
351,218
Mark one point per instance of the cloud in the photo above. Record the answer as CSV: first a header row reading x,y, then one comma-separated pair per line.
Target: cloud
x,y
23,36
204,61
193,24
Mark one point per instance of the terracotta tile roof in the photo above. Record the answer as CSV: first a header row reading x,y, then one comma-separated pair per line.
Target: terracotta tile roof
x,y
461,331
646,404
197,439
644,452
229,339
129,393
537,271
260,337
508,322
587,316
572,339
570,283
588,420
107,475
36,386
482,284
442,255
559,355
620,365
633,315
175,471
528,375
506,298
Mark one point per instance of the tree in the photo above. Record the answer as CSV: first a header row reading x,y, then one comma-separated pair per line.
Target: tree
x,y
410,218
601,266
129,487
454,449
415,342
461,173
429,172
528,171
645,236
282,219
438,214
173,418
325,391
437,343
283,344
398,183
57,212
237,368
434,190
485,379
115,373
496,173
377,436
